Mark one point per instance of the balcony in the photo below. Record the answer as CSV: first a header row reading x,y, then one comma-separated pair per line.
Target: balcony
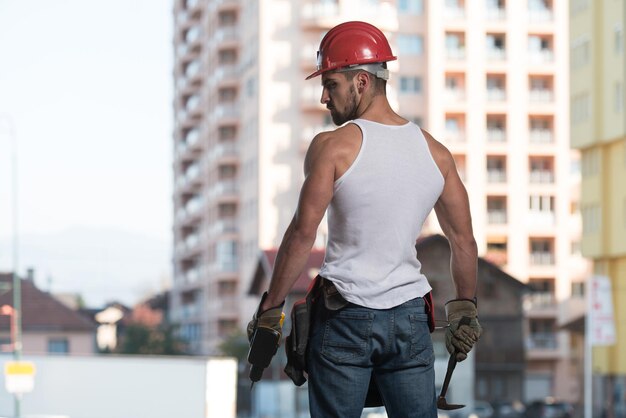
x,y
223,226
496,176
223,188
496,135
496,217
496,54
310,98
226,34
541,177
189,311
225,111
496,14
540,16
222,151
227,306
454,136
542,346
542,259
543,56
540,304
541,136
496,95
223,73
541,219
455,53
322,15
541,96
454,95
454,13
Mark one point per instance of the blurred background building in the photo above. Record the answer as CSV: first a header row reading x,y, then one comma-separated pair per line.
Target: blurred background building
x,y
488,78
598,79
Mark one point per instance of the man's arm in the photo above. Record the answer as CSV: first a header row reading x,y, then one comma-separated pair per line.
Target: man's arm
x,y
315,196
453,213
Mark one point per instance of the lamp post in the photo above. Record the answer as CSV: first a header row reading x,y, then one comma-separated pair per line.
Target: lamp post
x,y
17,284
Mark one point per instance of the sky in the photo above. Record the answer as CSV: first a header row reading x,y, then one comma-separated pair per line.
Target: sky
x,y
87,88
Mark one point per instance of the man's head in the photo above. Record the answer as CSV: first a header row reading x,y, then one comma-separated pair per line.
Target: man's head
x,y
352,62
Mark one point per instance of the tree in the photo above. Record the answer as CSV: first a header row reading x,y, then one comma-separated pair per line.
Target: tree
x,y
141,339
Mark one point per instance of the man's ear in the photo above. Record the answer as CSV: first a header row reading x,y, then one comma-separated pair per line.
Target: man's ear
x,y
362,81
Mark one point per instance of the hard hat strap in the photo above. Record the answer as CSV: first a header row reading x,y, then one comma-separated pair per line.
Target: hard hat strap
x,y
377,69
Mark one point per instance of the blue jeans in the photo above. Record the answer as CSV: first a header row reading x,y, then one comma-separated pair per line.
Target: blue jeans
x,y
348,345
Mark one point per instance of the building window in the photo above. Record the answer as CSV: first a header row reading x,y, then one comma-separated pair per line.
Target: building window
x,y
541,252
496,87
619,97
496,46
496,9
58,346
414,7
496,169
581,108
618,39
580,52
410,44
577,6
410,85
455,45
578,290
540,48
540,10
592,219
541,170
226,254
590,162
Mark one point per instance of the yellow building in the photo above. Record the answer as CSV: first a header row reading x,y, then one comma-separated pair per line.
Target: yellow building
x,y
598,130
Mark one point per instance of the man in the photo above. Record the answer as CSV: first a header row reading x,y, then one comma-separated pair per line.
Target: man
x,y
379,176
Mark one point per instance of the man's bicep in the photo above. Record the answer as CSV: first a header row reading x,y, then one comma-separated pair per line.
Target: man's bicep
x,y
317,190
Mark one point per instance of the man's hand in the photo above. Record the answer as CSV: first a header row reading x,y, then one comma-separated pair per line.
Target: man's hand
x,y
461,338
270,318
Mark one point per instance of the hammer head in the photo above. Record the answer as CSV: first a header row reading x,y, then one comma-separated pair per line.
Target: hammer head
x,y
445,406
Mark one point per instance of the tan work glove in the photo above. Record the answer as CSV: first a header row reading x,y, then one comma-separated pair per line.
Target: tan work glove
x,y
272,318
461,338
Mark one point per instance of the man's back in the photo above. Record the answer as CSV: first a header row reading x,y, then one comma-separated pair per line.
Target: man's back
x,y
378,208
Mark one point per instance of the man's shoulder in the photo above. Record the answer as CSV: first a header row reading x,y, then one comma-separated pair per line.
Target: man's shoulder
x,y
338,138
442,156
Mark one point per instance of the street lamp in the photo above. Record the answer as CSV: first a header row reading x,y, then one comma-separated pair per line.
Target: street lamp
x,y
17,284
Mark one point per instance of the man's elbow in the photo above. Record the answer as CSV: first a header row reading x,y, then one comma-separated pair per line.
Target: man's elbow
x,y
465,242
304,235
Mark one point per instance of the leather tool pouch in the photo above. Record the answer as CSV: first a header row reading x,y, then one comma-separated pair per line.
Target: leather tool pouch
x,y
296,342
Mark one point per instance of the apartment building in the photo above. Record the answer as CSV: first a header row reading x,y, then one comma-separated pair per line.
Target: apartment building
x,y
489,78
598,129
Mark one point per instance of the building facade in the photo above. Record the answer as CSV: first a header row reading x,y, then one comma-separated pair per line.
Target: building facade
x,y
488,78
598,79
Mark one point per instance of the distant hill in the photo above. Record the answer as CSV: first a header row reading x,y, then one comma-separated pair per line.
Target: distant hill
x,y
100,264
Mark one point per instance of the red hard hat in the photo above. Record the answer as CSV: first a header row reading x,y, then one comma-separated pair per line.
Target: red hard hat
x,y
352,43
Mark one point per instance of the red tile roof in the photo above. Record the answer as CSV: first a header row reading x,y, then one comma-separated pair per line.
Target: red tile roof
x,y
40,311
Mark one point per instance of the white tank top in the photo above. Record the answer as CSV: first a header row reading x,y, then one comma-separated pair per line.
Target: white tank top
x,y
375,217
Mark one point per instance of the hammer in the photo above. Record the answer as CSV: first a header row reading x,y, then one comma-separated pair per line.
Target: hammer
x,y
441,401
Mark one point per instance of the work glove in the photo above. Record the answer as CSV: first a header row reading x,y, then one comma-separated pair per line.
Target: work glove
x,y
272,318
461,338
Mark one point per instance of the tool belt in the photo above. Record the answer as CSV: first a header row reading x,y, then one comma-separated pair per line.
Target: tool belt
x,y
301,318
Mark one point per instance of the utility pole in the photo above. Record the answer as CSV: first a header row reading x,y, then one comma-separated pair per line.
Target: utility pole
x,y
17,284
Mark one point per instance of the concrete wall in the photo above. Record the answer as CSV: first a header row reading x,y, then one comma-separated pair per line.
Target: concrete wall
x,y
127,387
